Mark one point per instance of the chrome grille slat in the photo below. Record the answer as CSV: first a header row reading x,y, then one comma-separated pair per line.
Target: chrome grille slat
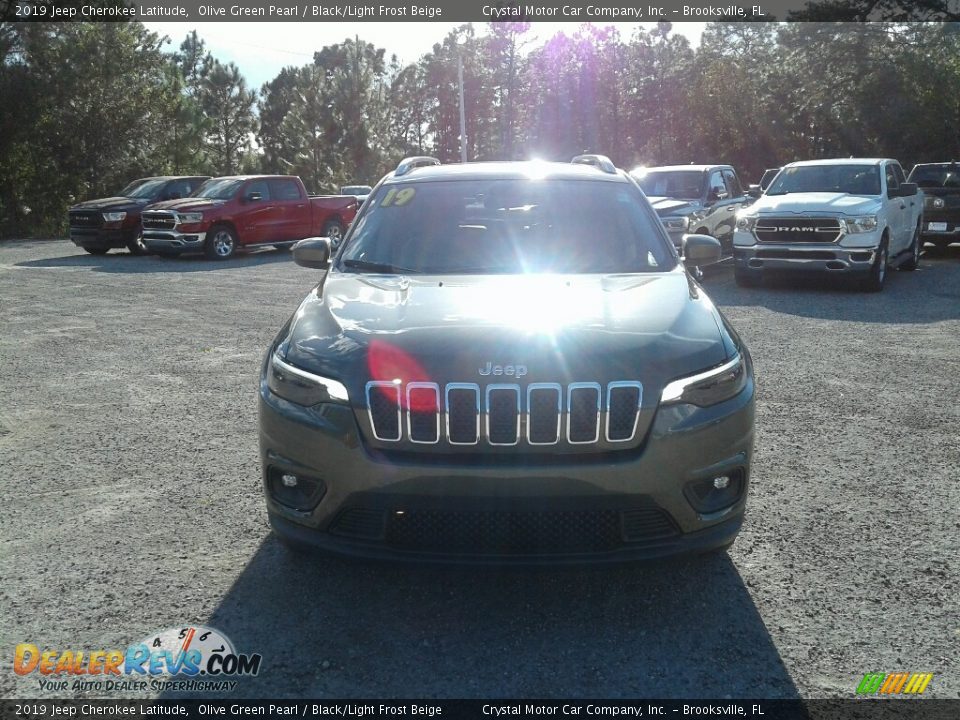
x,y
504,414
824,230
158,220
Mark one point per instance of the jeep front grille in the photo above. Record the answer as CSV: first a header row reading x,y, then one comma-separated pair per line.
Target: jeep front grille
x,y
504,414
158,220
798,230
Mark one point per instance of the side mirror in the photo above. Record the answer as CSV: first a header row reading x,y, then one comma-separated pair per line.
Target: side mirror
x,y
700,250
908,189
754,191
253,197
312,253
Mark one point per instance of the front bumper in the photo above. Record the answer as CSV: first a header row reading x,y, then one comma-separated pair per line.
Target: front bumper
x,y
102,238
174,242
818,258
629,507
940,224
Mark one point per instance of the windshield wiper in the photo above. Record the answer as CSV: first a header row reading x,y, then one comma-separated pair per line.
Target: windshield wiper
x,y
377,267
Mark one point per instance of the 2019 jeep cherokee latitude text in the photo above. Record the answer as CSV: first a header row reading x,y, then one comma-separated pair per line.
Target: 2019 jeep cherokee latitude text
x,y
507,362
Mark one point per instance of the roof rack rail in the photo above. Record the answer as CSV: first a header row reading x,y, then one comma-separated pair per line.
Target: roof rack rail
x,y
601,162
408,164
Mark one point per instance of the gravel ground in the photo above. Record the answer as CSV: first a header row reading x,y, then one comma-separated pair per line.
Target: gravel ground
x,y
131,502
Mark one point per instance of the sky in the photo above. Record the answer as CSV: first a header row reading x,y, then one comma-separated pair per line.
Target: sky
x,y
261,50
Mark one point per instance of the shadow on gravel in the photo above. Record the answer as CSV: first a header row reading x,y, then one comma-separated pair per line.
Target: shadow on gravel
x,y
929,294
120,261
339,629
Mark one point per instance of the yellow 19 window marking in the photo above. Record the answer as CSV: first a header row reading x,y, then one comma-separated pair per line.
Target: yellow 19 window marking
x,y
398,198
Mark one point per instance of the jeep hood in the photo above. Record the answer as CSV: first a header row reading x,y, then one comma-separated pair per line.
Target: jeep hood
x,y
815,202
568,328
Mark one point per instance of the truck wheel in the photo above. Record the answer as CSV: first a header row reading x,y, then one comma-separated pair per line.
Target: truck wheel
x,y
746,278
97,251
914,260
878,272
137,247
333,230
221,243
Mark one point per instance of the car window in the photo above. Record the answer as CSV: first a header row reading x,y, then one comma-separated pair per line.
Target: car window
x,y
178,189
147,190
281,189
850,179
679,184
936,176
898,172
258,186
218,188
716,188
733,184
892,182
509,227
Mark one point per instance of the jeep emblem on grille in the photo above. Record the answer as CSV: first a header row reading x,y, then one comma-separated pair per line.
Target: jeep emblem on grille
x,y
514,370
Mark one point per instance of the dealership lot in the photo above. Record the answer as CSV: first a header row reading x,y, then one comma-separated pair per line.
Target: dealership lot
x,y
131,503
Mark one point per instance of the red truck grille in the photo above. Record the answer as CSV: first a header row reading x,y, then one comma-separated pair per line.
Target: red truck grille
x,y
158,220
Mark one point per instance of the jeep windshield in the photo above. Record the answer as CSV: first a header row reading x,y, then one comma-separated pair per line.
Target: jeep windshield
x,y
507,226
218,189
849,179
680,184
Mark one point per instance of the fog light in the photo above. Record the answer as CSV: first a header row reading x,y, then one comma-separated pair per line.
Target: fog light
x,y
715,493
295,491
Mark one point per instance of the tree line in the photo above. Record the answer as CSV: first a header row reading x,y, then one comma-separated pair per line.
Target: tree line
x,y
89,106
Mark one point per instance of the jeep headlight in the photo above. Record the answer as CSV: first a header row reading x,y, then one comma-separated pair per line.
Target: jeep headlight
x,y
189,217
937,202
302,387
676,224
860,224
709,387
746,222
114,216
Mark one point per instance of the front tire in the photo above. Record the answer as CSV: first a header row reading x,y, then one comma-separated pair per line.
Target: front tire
x,y
913,262
137,246
878,271
221,243
333,230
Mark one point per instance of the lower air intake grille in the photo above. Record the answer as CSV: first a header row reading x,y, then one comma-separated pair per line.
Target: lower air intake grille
x,y
481,532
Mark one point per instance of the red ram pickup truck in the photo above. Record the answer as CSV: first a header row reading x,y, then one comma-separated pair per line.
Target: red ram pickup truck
x,y
228,213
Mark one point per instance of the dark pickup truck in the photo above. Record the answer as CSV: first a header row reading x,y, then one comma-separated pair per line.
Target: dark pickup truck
x,y
940,183
228,213
114,222
701,199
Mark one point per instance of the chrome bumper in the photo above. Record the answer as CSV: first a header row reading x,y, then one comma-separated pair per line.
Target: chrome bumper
x,y
817,258
173,241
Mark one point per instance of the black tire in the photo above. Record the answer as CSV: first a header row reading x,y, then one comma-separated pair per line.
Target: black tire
x,y
221,243
137,246
333,230
878,271
97,251
916,246
746,278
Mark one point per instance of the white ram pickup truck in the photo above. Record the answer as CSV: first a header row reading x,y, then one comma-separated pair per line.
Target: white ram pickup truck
x,y
846,216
